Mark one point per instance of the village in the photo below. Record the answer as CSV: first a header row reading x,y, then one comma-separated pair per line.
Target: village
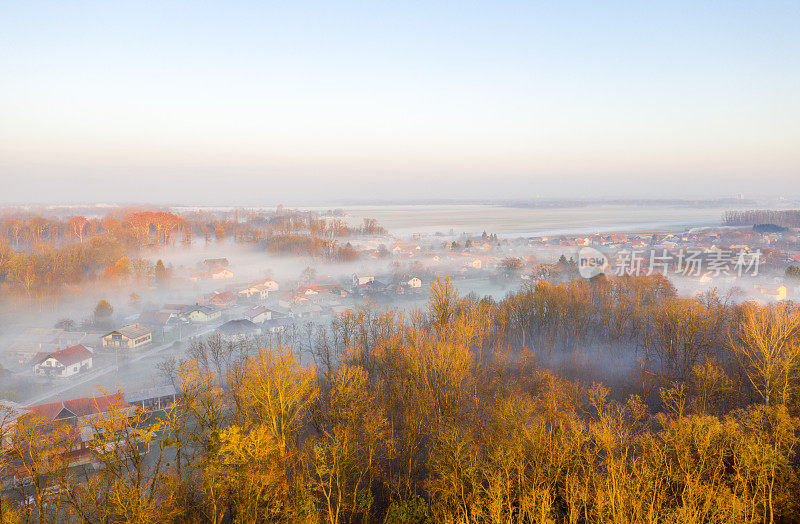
x,y
397,274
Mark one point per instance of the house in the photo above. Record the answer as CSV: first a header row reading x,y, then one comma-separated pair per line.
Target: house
x,y
130,336
404,247
255,291
258,314
79,414
413,282
475,263
64,363
276,325
270,284
215,263
333,289
777,294
241,327
362,279
223,300
220,273
201,314
306,310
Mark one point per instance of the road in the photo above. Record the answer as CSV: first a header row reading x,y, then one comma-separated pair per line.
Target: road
x,y
95,374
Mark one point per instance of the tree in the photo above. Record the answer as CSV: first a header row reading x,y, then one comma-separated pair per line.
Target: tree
x,y
511,264
793,272
308,275
67,324
767,345
103,311
443,301
160,272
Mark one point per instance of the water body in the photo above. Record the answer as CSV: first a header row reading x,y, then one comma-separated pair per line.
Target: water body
x,y
512,221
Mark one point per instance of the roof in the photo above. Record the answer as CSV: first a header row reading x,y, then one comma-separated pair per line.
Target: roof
x,y
238,327
207,310
328,288
306,308
80,407
254,311
133,331
150,393
67,357
155,318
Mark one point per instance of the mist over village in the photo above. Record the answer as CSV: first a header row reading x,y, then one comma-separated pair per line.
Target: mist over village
x,y
341,262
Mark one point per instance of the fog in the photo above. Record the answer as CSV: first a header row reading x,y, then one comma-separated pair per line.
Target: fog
x,y
467,244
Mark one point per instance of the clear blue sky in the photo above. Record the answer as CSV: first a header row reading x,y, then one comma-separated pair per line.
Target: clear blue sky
x,y
240,101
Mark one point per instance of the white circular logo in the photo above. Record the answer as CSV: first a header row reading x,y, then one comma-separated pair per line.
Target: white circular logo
x,y
591,262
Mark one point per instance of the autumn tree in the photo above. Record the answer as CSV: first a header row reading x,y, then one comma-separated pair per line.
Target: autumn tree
x,y
767,345
103,311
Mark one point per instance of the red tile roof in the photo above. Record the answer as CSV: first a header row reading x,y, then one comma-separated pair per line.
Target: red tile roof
x,y
67,357
80,407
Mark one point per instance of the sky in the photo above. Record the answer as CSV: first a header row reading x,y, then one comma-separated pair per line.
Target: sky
x,y
206,102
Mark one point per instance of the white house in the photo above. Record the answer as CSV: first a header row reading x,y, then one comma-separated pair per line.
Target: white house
x,y
64,363
414,282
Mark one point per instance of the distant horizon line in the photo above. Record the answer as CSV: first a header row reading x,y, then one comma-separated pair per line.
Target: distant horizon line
x,y
502,202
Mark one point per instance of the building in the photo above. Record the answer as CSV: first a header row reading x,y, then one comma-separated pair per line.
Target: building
x,y
223,300
220,273
306,310
215,263
80,414
238,328
361,280
332,289
64,363
201,314
413,282
130,337
255,292
258,314
260,289
154,399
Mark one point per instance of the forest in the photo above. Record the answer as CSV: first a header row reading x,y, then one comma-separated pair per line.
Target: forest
x,y
42,257
751,217
447,414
